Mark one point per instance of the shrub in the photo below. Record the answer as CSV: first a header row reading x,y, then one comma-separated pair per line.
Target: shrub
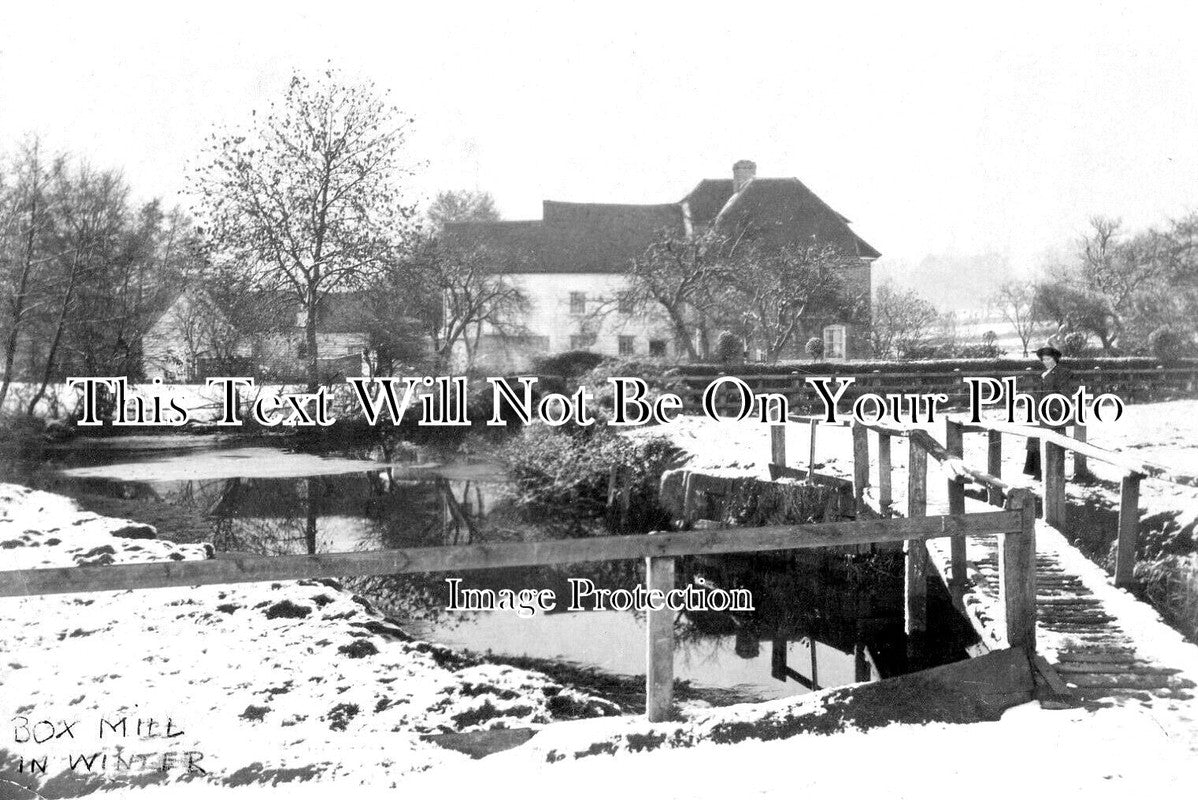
x,y
556,473
1074,344
729,348
570,364
815,348
987,350
1167,343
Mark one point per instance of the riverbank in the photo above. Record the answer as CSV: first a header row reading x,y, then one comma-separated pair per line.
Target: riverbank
x,y
298,679
300,685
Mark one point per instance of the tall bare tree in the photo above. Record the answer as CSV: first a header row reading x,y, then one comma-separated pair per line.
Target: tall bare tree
x,y
309,197
1016,301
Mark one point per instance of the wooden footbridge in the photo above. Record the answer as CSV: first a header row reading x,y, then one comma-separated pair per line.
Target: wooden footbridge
x,y
1106,646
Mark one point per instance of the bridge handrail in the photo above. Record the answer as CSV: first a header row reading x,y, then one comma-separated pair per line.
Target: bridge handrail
x,y
1133,466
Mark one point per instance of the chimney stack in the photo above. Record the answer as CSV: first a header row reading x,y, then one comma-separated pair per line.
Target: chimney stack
x,y
742,172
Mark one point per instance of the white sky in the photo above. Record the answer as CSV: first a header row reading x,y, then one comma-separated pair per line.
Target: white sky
x,y
936,129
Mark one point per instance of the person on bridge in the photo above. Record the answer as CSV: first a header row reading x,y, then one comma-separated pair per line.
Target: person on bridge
x,y
1056,379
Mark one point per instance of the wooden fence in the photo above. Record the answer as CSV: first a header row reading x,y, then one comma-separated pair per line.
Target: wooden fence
x,y
990,486
659,550
1131,379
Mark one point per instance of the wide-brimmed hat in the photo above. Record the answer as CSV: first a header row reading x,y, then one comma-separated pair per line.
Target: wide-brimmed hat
x,y
1048,350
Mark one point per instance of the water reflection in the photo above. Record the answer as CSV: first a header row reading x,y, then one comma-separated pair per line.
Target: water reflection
x,y
819,620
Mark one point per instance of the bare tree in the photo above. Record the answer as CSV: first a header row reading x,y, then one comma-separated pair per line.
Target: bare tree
x,y
1016,301
682,278
778,290
902,321
457,290
309,198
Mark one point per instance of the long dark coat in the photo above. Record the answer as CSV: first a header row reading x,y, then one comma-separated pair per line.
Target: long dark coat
x,y
1059,380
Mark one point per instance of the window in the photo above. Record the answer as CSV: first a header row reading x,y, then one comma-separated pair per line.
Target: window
x,y
627,345
578,302
657,348
582,341
626,303
301,350
834,342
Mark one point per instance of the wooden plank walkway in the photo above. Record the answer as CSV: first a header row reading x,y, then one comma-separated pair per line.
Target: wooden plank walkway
x,y
1108,647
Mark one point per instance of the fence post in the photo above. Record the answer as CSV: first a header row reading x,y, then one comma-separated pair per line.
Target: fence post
x,y
812,428
955,445
860,464
994,453
1017,573
916,574
778,444
659,644
1054,485
885,494
1081,468
1129,522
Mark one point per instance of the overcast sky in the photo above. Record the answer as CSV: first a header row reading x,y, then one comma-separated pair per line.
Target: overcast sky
x,y
936,129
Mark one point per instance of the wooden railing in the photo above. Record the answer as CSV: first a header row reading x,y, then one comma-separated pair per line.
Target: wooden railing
x,y
1131,379
658,549
991,487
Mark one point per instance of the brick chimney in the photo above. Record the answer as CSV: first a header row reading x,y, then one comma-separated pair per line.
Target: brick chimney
x,y
742,172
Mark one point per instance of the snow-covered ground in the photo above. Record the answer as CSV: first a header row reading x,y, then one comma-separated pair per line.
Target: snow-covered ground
x,y
297,687
259,678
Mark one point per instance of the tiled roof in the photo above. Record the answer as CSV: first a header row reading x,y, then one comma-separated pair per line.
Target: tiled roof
x,y
603,237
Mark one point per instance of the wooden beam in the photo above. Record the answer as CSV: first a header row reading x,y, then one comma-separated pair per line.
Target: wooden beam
x,y
915,583
1121,460
860,464
885,473
778,444
1054,485
245,568
1017,573
812,430
994,453
1080,468
659,643
1129,525
954,443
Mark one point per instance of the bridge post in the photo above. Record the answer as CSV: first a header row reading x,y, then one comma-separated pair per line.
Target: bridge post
x,y
994,453
915,582
778,444
659,644
1081,468
1129,522
812,429
860,464
885,493
1017,573
1054,485
954,443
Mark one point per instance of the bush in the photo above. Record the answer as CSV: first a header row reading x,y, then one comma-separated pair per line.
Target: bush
x,y
556,473
1074,344
729,348
597,380
987,350
571,364
815,348
1167,343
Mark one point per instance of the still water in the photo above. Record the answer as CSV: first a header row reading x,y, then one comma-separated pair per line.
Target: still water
x,y
818,620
